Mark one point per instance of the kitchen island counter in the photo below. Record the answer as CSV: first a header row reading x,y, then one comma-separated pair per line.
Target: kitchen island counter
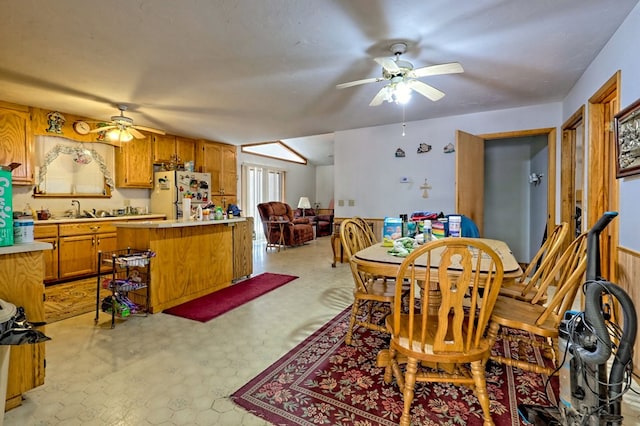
x,y
192,258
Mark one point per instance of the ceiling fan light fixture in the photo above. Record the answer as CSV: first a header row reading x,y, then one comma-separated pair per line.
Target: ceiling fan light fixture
x,y
119,135
401,93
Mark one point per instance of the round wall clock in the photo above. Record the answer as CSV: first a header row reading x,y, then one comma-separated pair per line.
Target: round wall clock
x,y
81,127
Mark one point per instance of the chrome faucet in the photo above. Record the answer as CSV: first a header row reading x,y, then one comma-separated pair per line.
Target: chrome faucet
x,y
74,202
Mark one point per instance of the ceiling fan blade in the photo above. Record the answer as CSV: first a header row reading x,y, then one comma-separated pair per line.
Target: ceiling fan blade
x,y
379,97
148,129
102,129
450,68
357,82
425,90
388,64
135,133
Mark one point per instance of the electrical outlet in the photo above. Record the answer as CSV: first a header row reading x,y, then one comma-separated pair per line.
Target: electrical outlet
x,y
352,203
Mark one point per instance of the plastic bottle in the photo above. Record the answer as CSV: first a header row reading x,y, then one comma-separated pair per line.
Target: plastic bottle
x,y
218,213
455,223
426,230
199,212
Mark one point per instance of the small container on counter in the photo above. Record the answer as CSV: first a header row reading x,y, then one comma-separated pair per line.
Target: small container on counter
x,y
23,230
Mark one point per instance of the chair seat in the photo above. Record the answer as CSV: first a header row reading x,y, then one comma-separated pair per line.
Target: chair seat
x,y
378,289
427,353
522,315
515,291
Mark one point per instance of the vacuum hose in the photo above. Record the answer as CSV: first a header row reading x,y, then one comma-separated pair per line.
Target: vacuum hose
x,y
594,317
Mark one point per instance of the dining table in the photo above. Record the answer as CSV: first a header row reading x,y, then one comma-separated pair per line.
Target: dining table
x,y
377,261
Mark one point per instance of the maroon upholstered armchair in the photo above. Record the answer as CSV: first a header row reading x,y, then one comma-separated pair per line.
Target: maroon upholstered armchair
x,y
322,222
295,232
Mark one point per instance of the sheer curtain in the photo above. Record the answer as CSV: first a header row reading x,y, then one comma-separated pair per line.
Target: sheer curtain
x,y
260,184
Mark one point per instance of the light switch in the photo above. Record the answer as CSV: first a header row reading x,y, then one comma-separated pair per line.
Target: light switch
x,y
341,203
352,203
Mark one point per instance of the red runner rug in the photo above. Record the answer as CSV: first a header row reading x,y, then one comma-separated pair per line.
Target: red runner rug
x,y
324,381
217,303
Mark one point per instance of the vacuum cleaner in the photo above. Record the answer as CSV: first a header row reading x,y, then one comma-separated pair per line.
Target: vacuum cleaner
x,y
590,342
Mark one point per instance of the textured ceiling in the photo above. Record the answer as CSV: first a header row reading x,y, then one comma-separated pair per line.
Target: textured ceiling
x,y
247,71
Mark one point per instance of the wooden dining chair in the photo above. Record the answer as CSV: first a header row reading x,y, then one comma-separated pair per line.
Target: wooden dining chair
x,y
541,321
369,291
367,228
450,338
527,287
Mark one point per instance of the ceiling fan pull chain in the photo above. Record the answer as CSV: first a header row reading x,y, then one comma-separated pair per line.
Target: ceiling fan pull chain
x,y
404,123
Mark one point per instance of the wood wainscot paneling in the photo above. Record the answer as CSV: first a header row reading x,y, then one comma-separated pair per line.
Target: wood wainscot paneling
x,y
628,273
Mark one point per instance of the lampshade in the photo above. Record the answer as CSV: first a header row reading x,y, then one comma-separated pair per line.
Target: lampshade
x,y
304,203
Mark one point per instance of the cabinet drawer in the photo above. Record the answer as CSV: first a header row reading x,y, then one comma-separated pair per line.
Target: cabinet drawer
x,y
45,231
86,228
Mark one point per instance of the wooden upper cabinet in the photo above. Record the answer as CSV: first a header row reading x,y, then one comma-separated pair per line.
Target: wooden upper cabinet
x,y
220,160
229,172
16,144
164,148
167,148
134,168
185,149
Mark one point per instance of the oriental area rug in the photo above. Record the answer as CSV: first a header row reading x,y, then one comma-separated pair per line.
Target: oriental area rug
x,y
207,307
68,300
324,381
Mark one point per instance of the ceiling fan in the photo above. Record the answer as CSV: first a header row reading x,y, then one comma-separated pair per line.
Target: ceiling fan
x,y
403,78
121,128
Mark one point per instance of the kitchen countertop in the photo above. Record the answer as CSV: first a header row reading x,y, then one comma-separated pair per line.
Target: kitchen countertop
x,y
150,216
25,247
176,223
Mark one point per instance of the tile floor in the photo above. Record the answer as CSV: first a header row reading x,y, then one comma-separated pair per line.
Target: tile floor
x,y
165,370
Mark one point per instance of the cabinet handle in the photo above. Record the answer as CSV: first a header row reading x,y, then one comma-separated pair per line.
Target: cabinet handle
x,y
98,241
94,228
93,241
55,245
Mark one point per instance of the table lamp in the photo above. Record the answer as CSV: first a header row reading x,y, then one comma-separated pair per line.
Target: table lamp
x,y
303,204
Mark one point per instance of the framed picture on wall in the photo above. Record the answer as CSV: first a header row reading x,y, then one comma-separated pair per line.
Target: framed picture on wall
x,y
627,139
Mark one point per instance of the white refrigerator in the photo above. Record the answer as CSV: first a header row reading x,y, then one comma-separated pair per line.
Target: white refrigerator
x,y
170,188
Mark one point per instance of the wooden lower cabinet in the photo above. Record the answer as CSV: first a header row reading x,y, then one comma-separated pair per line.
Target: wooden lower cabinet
x,y
78,254
21,283
243,249
49,234
76,246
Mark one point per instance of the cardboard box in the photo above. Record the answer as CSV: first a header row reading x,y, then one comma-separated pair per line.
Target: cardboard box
x,y
392,228
6,207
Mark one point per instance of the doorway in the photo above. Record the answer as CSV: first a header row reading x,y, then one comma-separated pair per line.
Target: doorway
x,y
515,193
603,192
572,170
470,175
260,184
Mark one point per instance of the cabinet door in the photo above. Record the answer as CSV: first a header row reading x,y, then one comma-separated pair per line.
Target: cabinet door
x,y
243,249
164,148
77,255
15,144
208,161
104,243
134,168
50,259
229,180
185,149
